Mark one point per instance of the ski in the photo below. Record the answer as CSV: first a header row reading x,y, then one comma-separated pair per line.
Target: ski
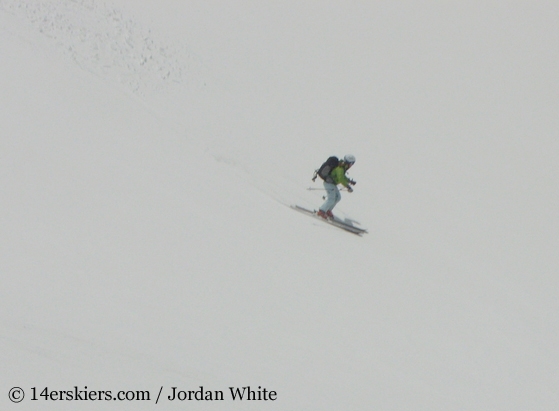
x,y
335,222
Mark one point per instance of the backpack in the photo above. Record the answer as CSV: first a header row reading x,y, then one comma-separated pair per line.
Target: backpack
x,y
326,168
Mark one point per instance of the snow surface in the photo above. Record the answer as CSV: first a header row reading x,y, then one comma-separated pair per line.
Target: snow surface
x,y
149,150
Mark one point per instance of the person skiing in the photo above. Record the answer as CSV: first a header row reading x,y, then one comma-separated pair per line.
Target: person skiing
x,y
335,177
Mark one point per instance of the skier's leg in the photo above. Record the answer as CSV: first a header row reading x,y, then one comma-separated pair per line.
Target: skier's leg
x,y
337,198
331,197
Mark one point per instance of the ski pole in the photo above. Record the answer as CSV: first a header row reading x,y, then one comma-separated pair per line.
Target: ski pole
x,y
323,189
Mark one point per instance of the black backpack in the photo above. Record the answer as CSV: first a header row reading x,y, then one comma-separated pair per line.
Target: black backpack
x,y
326,168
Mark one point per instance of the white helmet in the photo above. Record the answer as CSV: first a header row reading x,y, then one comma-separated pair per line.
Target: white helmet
x,y
349,158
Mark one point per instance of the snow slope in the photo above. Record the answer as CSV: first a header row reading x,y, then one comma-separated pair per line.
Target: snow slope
x,y
149,150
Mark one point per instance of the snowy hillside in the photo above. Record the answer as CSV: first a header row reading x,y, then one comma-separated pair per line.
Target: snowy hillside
x,y
149,153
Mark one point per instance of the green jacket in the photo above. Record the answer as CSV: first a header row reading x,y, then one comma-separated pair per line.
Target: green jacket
x,y
339,177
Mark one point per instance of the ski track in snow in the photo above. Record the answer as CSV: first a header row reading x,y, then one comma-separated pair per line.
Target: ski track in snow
x,y
102,40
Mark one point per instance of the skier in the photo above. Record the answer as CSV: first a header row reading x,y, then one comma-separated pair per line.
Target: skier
x,y
336,176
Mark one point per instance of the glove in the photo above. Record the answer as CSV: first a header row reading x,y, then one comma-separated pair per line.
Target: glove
x,y
352,182
349,189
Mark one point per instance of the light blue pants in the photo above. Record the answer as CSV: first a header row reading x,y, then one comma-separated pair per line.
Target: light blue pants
x,y
333,197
